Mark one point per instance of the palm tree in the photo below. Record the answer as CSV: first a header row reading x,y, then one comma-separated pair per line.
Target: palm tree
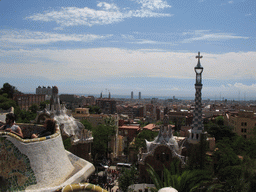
x,y
186,181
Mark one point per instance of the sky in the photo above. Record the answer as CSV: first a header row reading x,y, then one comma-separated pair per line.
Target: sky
x,y
148,46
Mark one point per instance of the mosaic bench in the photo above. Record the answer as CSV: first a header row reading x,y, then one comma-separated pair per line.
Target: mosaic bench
x,y
29,129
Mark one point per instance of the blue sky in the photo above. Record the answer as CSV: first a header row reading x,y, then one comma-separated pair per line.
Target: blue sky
x,y
87,46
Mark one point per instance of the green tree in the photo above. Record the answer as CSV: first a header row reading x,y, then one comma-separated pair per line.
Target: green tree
x,y
224,156
6,103
102,135
87,124
67,143
233,179
9,89
140,139
127,178
43,104
23,116
143,123
219,131
94,109
185,181
250,148
219,120
34,108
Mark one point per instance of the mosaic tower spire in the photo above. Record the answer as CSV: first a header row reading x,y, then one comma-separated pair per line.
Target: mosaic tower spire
x,y
197,125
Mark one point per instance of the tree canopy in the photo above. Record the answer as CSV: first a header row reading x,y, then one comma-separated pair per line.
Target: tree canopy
x,y
94,109
9,89
6,103
102,135
87,124
127,178
140,139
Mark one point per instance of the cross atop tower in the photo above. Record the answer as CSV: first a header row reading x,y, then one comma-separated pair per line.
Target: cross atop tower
x,y
199,57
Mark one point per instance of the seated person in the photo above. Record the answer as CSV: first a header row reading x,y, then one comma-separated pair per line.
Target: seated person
x,y
10,125
49,125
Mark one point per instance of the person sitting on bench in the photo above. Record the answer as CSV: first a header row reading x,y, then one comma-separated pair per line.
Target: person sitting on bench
x,y
10,125
49,125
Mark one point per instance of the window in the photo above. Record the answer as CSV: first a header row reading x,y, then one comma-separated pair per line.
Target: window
x,y
126,132
244,124
245,130
242,130
167,157
244,136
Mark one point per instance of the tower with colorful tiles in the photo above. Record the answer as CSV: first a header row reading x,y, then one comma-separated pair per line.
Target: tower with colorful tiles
x,y
197,125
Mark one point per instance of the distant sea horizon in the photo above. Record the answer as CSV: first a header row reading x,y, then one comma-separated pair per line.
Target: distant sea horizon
x,y
117,96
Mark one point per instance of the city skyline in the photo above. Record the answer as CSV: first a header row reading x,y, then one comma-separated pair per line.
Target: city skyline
x,y
147,46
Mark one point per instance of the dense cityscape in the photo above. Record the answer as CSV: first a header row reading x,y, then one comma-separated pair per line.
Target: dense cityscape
x,y
135,141
116,96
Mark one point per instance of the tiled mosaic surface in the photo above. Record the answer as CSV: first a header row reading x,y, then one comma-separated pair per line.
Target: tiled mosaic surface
x,y
29,129
16,172
57,133
81,187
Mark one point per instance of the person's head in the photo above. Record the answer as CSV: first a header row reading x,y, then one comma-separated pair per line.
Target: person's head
x,y
50,125
10,118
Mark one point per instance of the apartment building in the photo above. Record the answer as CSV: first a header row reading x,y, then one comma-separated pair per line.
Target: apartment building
x,y
242,121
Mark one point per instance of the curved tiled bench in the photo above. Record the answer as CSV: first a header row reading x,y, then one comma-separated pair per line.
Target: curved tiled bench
x,y
40,164
81,187
57,133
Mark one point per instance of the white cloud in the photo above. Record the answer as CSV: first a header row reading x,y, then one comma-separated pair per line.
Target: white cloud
x,y
36,37
145,41
231,2
109,13
82,64
73,16
127,36
103,63
107,6
236,91
206,35
153,4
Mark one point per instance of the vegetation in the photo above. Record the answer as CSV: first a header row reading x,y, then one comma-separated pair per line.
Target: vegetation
x,y
9,90
143,123
43,104
67,143
231,167
87,124
185,181
102,136
94,109
127,178
234,158
6,103
140,139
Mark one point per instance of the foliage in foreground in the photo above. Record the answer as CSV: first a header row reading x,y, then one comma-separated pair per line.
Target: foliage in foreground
x,y
185,181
